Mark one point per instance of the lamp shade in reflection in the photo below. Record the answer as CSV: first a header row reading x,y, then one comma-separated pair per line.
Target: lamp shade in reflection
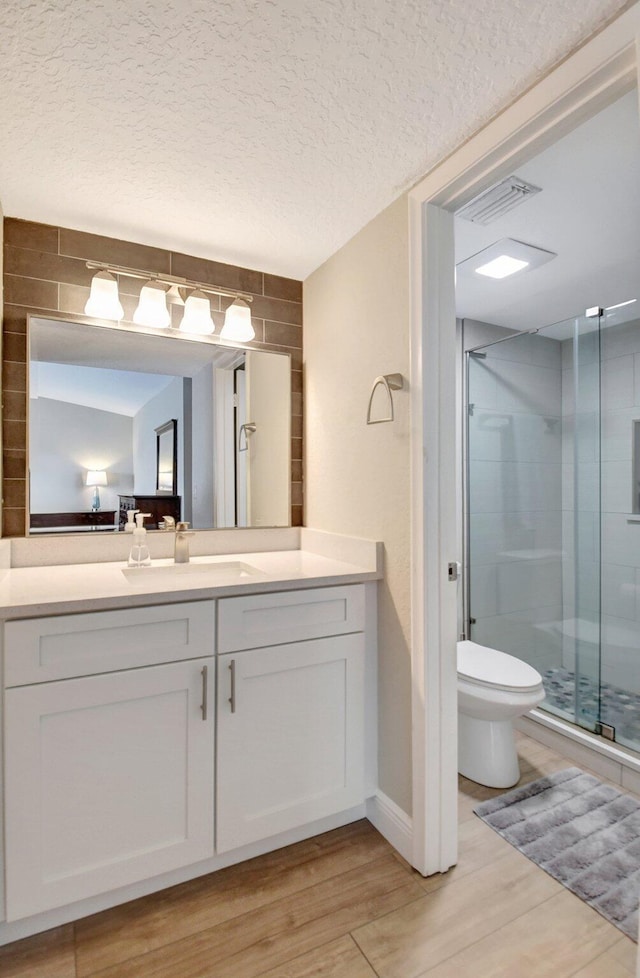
x,y
95,478
104,301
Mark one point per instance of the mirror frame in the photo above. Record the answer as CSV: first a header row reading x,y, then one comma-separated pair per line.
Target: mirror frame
x,y
169,428
125,326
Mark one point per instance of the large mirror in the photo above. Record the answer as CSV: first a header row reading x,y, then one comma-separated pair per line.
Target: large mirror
x,y
179,427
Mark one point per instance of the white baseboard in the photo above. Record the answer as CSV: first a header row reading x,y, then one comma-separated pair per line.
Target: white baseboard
x,y
391,822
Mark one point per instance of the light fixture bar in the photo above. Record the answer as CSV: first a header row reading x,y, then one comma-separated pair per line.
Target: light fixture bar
x,y
167,280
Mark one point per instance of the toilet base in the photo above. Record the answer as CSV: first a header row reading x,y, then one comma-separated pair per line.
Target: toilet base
x,y
487,752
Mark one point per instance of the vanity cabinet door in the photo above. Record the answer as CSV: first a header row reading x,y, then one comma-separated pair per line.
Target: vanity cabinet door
x,y
290,737
109,780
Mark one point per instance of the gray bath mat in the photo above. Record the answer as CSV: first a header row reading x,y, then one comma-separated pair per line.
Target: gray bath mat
x,y
583,833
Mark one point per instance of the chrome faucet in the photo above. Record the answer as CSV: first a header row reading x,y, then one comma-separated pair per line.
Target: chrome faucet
x,y
167,523
181,555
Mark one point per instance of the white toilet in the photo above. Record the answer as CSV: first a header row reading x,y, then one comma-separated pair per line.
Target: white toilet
x,y
493,689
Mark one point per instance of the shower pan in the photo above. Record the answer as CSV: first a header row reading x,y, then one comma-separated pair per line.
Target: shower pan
x,y
551,490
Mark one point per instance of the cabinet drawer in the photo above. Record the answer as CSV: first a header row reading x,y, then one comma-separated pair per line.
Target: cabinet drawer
x,y
274,619
44,649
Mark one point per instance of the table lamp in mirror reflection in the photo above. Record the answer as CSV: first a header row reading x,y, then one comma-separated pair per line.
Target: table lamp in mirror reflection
x,y
96,478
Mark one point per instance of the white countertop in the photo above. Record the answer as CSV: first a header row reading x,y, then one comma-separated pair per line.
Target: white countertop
x,y
27,592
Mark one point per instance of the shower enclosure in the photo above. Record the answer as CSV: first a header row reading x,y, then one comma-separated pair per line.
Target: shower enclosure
x,y
552,512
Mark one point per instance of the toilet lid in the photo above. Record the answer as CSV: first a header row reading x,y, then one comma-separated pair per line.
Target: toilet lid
x,y
489,667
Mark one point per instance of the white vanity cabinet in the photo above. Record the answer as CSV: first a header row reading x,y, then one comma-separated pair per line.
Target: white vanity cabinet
x,y
109,759
290,711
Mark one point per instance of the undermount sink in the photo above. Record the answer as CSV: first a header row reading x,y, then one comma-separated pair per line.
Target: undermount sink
x,y
231,569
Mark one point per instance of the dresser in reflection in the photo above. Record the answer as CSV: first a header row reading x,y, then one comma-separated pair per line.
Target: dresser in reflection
x,y
157,506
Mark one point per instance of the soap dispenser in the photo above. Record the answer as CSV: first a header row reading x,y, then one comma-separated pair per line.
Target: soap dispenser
x,y
130,525
139,555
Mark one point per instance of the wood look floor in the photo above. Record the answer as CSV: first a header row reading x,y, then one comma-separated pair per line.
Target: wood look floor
x,y
345,905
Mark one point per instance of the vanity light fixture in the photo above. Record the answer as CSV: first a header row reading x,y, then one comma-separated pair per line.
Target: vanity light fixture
x,y
152,307
104,302
197,314
160,289
237,322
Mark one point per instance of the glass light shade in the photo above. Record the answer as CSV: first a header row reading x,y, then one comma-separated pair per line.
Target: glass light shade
x,y
152,307
197,314
237,322
104,302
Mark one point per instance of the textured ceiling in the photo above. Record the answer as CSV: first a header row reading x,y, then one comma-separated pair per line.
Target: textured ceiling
x,y
260,132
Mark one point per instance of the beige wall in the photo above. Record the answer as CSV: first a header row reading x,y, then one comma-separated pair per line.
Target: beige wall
x,y
356,326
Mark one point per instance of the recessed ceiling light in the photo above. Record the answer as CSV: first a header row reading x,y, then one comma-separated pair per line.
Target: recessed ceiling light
x,y
502,266
504,258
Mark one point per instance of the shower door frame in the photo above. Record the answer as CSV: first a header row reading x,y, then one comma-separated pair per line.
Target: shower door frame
x,y
602,70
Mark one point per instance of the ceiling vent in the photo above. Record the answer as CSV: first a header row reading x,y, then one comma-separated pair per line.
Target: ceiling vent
x,y
499,200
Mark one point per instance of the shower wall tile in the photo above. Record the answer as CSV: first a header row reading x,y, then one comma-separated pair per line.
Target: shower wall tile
x,y
494,537
483,590
526,584
620,663
617,487
531,349
620,540
532,634
617,433
482,385
619,591
530,389
620,341
514,437
514,486
617,383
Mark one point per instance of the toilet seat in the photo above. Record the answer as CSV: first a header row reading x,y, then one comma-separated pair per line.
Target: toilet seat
x,y
489,668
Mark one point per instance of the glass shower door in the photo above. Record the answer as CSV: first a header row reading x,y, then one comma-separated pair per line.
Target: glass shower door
x,y
533,508
620,452
581,519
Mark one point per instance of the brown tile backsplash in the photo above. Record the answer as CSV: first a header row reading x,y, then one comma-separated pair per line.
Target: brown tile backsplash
x,y
214,273
30,291
42,265
14,405
14,522
283,288
277,309
26,234
14,376
94,247
15,465
14,347
282,334
14,433
45,271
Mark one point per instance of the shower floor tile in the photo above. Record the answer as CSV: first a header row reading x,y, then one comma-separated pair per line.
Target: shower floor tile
x,y
615,706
